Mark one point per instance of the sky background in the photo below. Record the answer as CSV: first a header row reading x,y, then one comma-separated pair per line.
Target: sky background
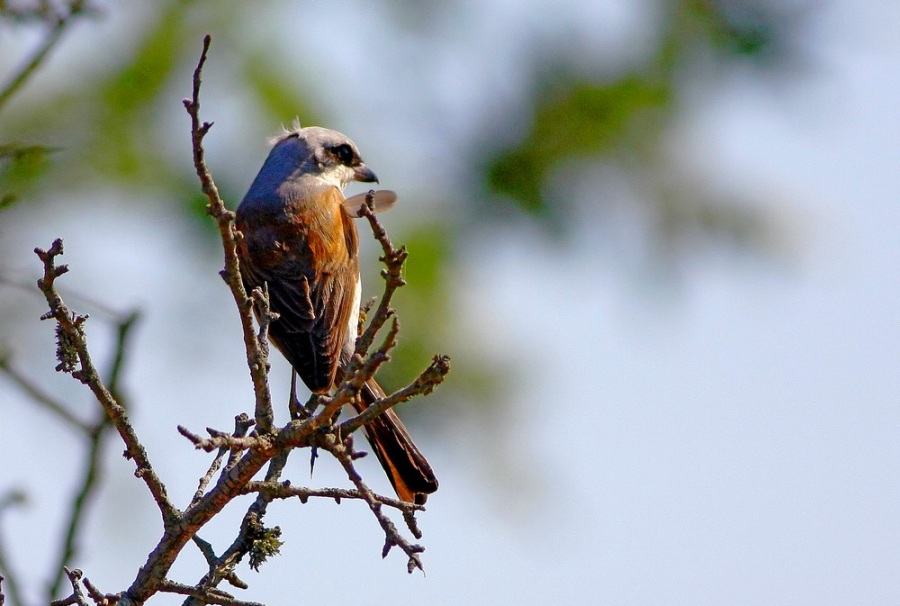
x,y
714,427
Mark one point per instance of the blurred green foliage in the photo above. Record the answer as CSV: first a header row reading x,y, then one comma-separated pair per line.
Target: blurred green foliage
x,y
274,94
127,97
623,121
573,120
19,165
736,28
424,309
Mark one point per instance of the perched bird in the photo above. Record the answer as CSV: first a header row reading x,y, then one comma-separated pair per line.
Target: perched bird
x,y
300,240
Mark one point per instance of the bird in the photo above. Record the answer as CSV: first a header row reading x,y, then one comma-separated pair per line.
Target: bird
x,y
299,240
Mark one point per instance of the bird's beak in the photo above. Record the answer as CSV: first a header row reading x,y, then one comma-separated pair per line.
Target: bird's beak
x,y
365,174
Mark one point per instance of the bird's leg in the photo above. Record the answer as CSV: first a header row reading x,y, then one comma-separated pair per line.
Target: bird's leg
x,y
298,411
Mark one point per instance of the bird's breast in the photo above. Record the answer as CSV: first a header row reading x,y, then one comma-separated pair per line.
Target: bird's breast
x,y
314,234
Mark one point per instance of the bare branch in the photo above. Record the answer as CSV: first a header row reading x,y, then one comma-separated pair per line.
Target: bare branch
x,y
74,344
242,424
75,8
7,501
178,527
224,441
154,571
393,258
39,396
77,596
286,491
265,417
392,535
358,372
100,598
93,466
424,384
222,568
206,595
265,314
256,354
364,310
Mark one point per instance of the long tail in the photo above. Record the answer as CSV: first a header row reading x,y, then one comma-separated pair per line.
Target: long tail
x,y
406,467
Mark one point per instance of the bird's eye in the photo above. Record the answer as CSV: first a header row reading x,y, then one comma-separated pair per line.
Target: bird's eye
x,y
344,154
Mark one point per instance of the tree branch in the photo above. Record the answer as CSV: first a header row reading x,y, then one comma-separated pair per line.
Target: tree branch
x,y
75,8
424,384
77,596
286,491
72,348
392,535
242,424
393,258
222,568
39,396
93,466
7,501
256,353
205,595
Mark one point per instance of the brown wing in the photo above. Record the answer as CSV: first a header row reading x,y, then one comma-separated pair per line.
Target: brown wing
x,y
308,256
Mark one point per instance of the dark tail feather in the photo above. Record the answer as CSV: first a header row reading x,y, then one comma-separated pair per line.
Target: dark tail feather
x,y
406,468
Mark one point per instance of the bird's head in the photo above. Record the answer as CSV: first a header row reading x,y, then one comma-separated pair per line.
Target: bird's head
x,y
325,153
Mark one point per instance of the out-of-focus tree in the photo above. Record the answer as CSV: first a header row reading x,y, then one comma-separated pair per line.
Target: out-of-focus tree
x,y
588,123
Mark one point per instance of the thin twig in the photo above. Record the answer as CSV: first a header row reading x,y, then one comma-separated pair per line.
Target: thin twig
x,y
206,549
256,354
222,569
76,7
90,478
77,596
393,538
39,396
283,491
100,598
206,595
93,466
153,572
358,372
242,424
223,441
9,500
70,326
393,258
430,378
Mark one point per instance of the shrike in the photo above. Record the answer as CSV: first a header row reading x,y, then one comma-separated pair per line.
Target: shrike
x,y
300,240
